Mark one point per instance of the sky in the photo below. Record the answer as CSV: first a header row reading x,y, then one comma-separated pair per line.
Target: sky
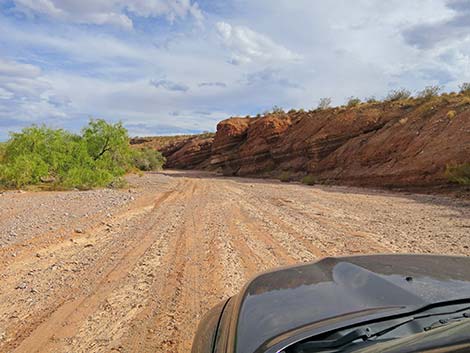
x,y
180,66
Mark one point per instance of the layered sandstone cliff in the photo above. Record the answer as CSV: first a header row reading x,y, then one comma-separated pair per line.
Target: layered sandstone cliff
x,y
383,144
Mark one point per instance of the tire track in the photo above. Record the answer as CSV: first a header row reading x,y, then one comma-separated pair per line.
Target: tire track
x,y
141,280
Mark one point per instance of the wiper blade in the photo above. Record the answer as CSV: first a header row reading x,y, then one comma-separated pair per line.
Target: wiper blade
x,y
373,331
361,333
364,333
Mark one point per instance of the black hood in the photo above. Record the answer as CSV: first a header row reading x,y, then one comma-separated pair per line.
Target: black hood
x,y
335,292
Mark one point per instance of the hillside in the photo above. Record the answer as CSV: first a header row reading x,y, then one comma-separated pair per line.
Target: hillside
x,y
402,143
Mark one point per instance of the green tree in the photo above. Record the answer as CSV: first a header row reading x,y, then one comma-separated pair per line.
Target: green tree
x,y
98,157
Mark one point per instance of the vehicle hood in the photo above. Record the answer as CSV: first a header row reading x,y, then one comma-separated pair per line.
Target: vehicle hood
x,y
343,291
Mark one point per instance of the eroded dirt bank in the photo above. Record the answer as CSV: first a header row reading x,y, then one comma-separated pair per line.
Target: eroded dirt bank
x,y
105,271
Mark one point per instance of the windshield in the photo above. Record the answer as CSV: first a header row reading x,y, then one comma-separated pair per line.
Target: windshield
x,y
441,327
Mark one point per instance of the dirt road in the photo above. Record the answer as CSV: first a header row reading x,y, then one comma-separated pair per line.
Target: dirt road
x,y
134,270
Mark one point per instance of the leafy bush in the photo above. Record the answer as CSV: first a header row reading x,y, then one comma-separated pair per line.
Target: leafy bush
x,y
353,102
459,173
309,180
97,157
147,159
324,103
465,88
398,94
429,92
26,169
285,177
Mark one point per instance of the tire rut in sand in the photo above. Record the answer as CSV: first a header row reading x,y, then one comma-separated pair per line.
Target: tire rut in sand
x,y
189,284
142,283
55,329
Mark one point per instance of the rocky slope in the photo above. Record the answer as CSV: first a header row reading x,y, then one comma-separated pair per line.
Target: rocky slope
x,y
407,143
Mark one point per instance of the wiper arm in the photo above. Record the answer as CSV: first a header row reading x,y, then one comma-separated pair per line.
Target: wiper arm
x,y
361,333
378,329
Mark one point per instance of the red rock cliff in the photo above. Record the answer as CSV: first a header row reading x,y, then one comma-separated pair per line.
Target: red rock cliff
x,y
395,144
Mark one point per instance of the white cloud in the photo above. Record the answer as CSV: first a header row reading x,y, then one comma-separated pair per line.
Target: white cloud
x,y
171,9
247,45
21,80
25,93
4,94
110,12
14,69
69,71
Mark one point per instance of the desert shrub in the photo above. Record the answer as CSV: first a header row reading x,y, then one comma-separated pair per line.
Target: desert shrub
x,y
465,88
429,92
309,180
398,94
451,114
147,159
353,102
277,110
459,173
464,101
371,99
324,103
95,158
285,177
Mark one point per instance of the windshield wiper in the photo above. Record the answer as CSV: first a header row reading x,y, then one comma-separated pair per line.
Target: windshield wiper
x,y
363,333
373,331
